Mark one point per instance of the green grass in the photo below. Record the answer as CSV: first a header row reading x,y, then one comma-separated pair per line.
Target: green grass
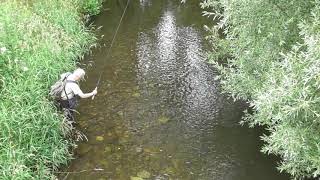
x,y
43,39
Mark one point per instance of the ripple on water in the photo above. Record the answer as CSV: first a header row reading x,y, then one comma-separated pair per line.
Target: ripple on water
x,y
159,113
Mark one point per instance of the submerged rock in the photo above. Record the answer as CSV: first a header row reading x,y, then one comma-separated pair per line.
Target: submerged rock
x,y
123,140
135,178
147,150
169,170
163,119
93,113
144,174
139,149
161,177
107,149
105,93
99,138
151,150
136,94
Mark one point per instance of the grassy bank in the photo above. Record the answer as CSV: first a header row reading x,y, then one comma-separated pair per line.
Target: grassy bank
x,y
38,40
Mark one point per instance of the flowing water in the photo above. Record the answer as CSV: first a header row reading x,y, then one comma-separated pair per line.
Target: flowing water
x,y
159,113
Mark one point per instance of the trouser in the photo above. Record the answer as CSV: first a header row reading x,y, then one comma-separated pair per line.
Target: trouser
x,y
69,106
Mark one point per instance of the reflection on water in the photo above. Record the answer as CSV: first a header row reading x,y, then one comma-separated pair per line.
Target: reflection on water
x,y
159,113
144,3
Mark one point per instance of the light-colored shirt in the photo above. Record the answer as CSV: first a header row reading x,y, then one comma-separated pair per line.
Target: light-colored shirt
x,y
71,89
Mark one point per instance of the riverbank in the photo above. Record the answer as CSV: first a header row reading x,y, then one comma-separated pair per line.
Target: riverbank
x,y
38,40
267,52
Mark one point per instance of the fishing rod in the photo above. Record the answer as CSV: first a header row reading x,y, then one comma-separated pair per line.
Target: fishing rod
x,y
113,39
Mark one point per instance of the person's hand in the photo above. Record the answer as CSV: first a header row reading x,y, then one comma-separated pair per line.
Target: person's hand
x,y
94,92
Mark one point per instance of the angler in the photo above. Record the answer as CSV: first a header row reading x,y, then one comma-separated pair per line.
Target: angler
x,y
71,90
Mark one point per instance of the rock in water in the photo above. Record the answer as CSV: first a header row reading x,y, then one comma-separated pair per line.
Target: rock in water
x,y
139,149
107,149
136,94
120,113
163,120
135,178
144,174
99,138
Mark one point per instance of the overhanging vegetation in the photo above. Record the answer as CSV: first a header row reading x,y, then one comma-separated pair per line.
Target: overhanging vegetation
x,y
273,61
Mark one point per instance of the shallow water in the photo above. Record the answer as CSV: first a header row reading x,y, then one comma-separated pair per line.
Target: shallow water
x,y
159,113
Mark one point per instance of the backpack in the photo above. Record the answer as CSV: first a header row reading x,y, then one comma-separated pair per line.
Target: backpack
x,y
58,87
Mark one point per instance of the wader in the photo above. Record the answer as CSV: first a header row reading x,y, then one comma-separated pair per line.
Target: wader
x,y
69,105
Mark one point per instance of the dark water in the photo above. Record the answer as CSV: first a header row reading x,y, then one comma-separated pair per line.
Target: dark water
x,y
159,113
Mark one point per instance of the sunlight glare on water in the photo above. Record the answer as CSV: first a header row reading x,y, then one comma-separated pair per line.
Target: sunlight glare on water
x,y
159,113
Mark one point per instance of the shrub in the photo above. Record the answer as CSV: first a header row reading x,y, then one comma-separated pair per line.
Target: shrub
x,y
271,49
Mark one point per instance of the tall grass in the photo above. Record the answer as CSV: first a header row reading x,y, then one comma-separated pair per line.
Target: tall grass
x,y
39,39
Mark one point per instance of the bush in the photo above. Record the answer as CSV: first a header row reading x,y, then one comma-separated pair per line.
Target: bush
x,y
272,53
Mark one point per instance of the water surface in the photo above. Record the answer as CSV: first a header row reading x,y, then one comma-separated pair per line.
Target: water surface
x,y
159,113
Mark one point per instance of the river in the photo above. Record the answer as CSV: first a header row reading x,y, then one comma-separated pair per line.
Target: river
x,y
159,113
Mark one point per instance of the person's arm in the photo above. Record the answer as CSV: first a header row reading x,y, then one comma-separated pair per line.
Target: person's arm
x,y
78,91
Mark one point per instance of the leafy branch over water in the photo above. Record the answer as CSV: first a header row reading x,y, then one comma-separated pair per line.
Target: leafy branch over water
x,y
271,49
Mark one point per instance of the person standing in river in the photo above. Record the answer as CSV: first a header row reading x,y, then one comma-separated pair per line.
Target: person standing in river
x,y
72,90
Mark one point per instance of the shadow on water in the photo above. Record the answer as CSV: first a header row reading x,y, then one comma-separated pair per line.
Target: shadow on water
x,y
159,113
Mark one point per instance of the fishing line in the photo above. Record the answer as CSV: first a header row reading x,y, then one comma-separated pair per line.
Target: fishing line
x,y
113,39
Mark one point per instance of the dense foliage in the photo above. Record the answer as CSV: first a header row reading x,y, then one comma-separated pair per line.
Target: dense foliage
x,y
91,7
38,40
268,52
